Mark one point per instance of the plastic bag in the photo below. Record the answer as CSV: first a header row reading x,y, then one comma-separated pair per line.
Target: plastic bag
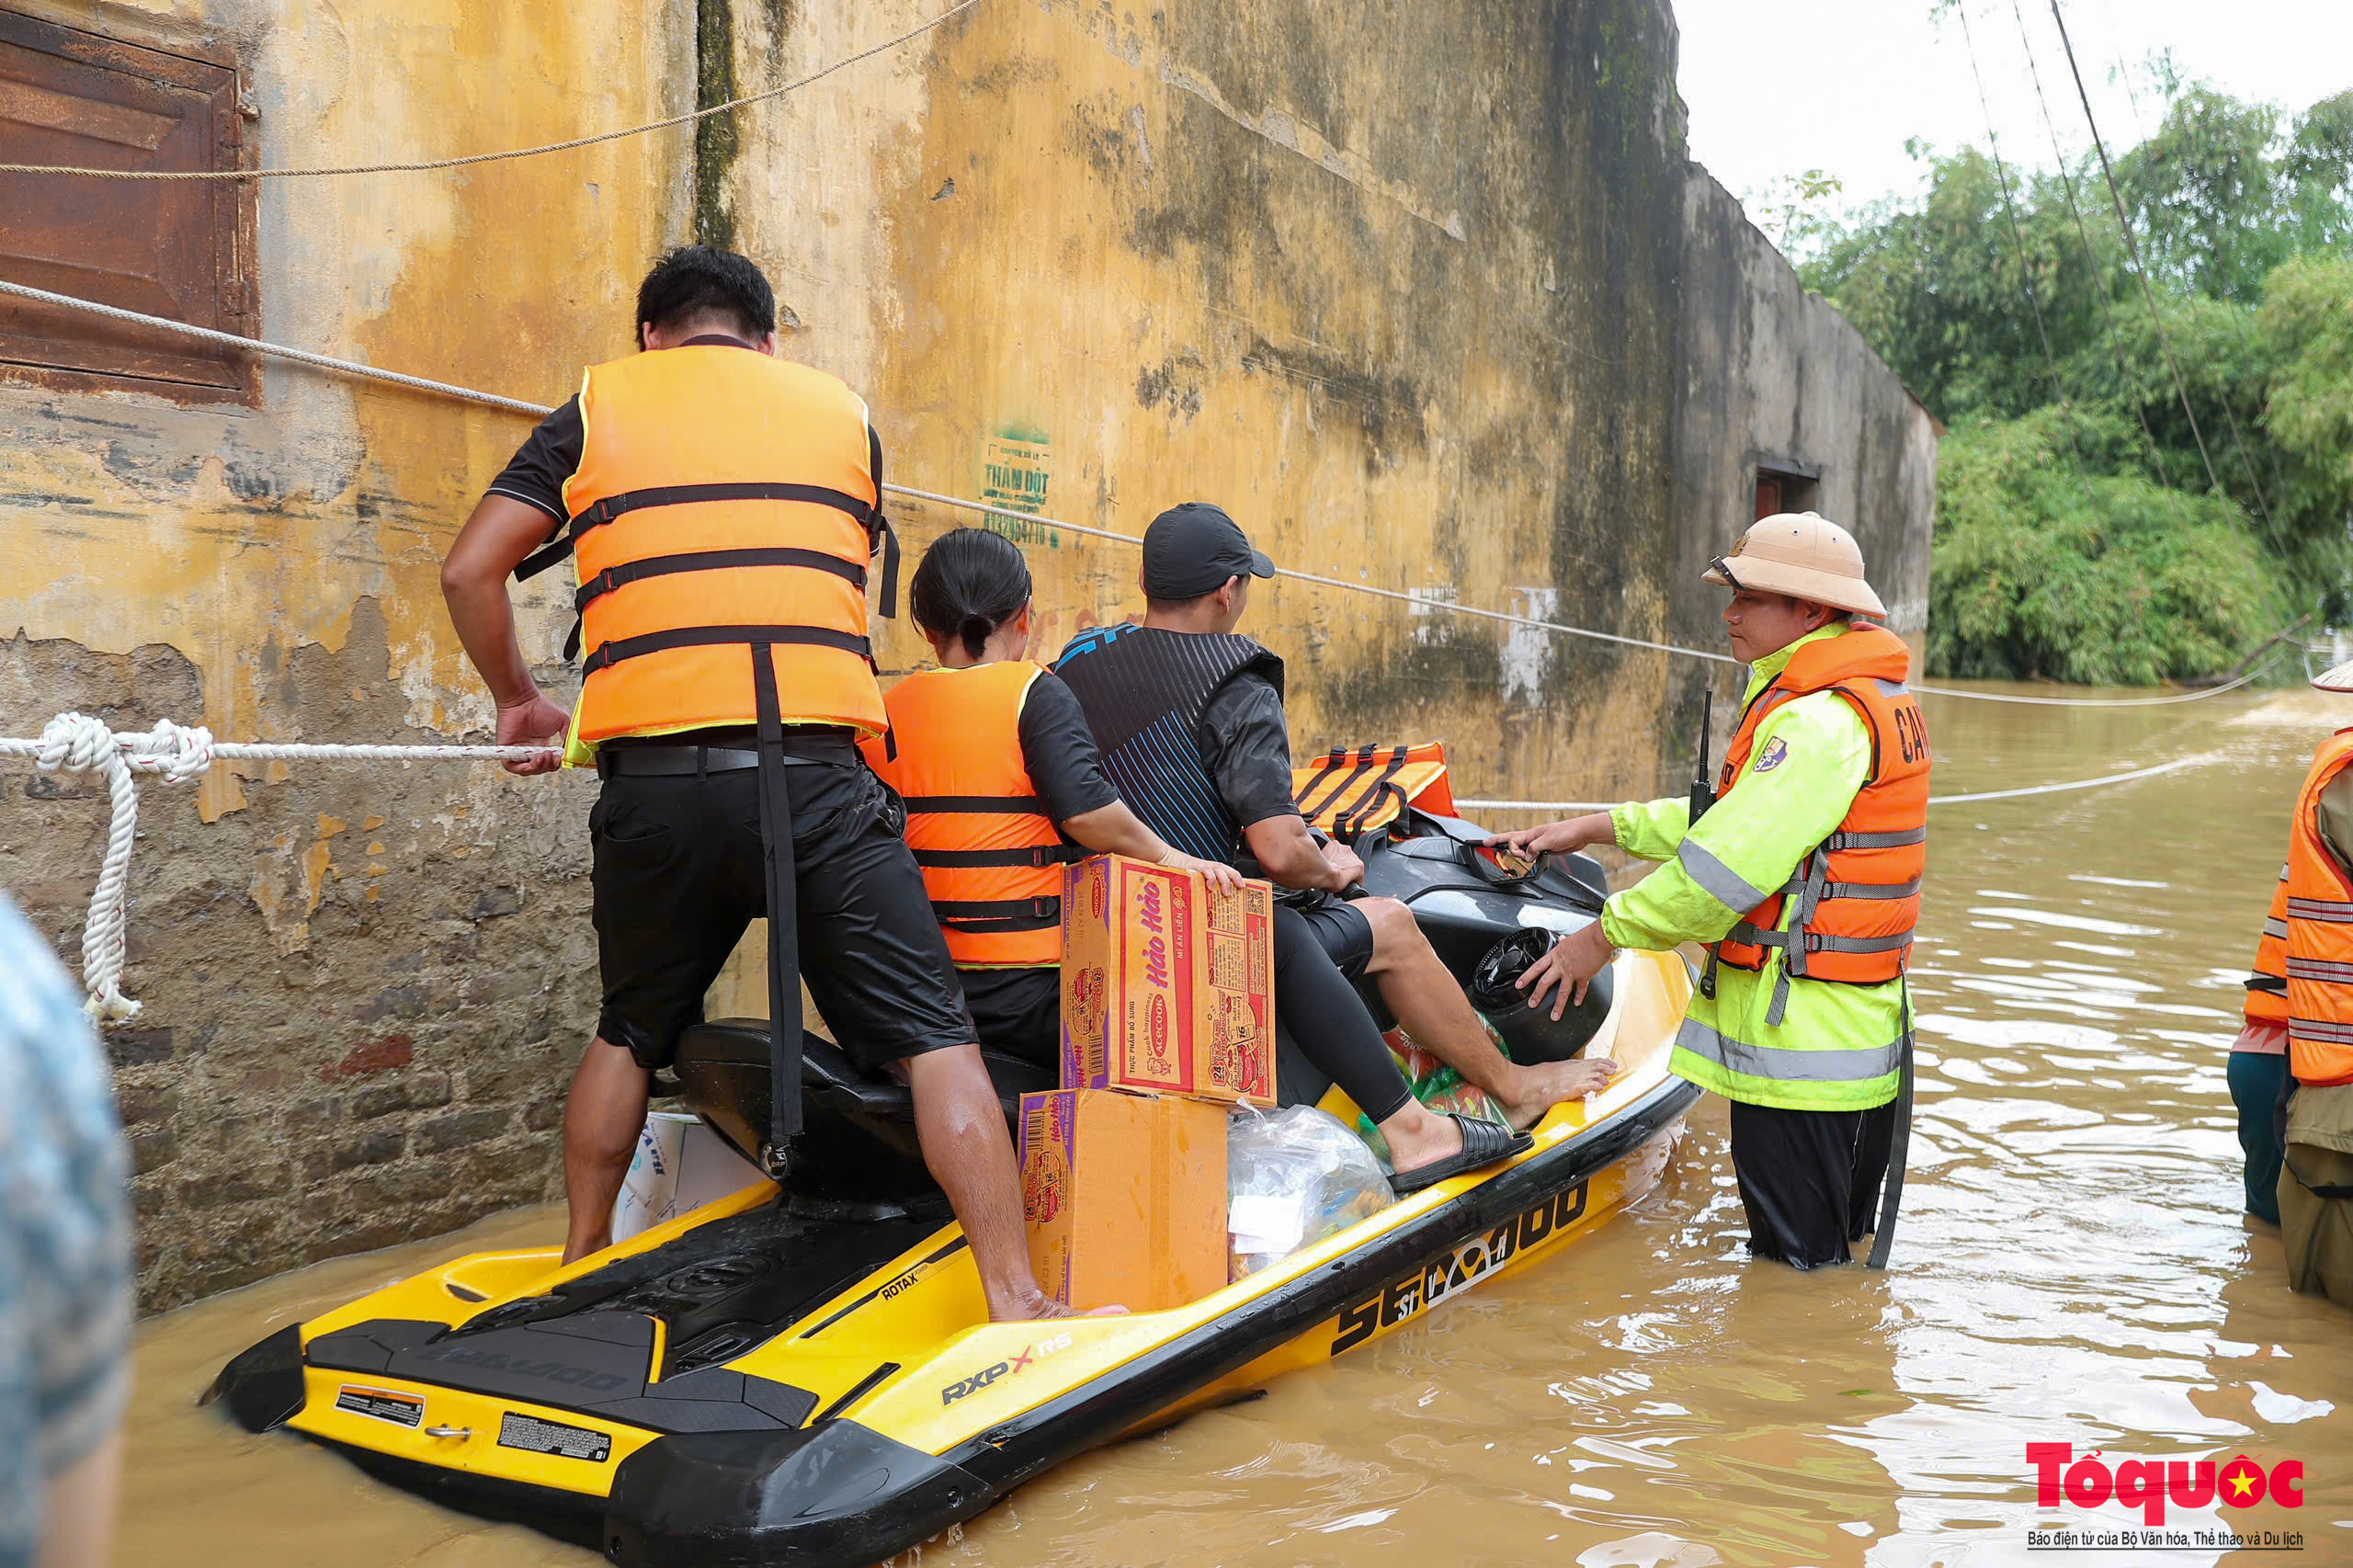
x,y
1293,1178
1439,1087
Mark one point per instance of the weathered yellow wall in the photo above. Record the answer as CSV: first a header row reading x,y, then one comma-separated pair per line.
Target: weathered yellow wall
x,y
363,983
1396,283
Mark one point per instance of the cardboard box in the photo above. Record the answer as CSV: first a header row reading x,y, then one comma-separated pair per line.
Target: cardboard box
x,y
1125,1197
1167,987
680,1164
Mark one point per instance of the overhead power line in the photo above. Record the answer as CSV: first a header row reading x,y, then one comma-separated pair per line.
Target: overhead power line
x,y
2132,254
728,108
1420,601
2017,248
2091,259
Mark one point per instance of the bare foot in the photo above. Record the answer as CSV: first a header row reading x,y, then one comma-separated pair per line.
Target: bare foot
x,y
1549,1083
1034,1306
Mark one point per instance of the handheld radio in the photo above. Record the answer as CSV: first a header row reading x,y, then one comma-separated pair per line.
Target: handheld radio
x,y
1703,793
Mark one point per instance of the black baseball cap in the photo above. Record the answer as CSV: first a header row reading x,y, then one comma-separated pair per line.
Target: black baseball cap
x,y
1192,549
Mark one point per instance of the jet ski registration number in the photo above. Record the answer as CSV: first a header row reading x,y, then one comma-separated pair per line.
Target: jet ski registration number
x,y
1412,1293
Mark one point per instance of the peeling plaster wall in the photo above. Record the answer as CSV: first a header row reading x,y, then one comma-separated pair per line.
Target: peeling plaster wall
x,y
1427,295
364,984
1773,374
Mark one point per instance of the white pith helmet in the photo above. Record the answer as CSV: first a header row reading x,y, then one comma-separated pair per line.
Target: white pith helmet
x,y
1803,554
2336,677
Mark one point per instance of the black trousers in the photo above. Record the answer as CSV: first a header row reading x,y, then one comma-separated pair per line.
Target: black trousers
x,y
1330,1021
1810,1179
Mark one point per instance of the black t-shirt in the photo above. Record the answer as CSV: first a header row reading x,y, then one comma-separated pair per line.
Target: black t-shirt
x,y
1059,751
548,457
1247,747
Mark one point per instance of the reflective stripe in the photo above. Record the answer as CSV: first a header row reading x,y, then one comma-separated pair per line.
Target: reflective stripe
x,y
1786,1065
2274,927
1719,882
2315,1029
2329,911
2319,968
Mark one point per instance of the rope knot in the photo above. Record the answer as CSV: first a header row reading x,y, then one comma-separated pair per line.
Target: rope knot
x,y
178,752
74,743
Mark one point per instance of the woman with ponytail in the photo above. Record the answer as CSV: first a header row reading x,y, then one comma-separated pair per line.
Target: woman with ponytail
x,y
1001,779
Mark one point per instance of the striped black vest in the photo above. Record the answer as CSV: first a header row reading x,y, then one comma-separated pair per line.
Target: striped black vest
x,y
1142,691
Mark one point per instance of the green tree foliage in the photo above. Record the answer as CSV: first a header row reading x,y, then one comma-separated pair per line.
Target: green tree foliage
x,y
2076,508
2105,579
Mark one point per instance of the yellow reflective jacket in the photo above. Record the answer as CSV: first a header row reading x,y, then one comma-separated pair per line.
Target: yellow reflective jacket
x,y
1837,1047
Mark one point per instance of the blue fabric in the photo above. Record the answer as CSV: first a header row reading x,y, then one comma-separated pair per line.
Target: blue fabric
x,y
2258,1079
66,1299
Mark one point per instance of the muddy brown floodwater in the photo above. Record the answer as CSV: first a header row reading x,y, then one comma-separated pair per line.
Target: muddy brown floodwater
x,y
2071,1268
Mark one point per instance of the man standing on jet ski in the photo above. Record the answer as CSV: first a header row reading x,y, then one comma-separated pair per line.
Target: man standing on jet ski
x,y
1803,879
722,505
1189,719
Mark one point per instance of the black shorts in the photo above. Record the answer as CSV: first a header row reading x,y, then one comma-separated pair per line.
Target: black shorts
x,y
1341,929
1017,1011
679,873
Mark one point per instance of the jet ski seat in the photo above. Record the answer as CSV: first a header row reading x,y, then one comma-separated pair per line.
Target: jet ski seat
x,y
857,1126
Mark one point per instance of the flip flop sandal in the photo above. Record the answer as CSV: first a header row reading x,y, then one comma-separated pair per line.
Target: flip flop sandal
x,y
1484,1144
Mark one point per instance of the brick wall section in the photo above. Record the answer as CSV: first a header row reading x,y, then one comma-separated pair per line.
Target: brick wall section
x,y
312,1078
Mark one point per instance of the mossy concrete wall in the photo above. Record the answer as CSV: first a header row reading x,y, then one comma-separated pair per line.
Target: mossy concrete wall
x,y
1409,289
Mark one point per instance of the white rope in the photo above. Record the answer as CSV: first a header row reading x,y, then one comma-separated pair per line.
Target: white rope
x,y
75,743
2199,696
276,350
1559,806
1420,601
727,108
489,399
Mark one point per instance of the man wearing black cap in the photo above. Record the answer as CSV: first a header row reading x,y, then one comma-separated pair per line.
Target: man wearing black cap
x,y
1189,717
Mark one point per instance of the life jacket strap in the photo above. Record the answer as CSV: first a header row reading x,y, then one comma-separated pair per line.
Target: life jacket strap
x,y
1888,890
995,915
982,806
612,577
1876,840
1034,856
599,513
613,651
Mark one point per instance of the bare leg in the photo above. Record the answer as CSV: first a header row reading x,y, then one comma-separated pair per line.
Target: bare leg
x,y
1418,1136
965,1145
1431,1006
77,1508
602,1117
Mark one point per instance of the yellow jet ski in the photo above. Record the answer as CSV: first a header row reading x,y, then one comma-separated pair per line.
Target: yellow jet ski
x,y
803,1372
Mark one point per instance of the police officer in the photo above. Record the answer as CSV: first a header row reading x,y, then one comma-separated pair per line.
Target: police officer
x,y
1803,879
721,505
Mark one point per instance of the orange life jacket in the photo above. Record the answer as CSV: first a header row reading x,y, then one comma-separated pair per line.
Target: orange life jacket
x,y
1350,791
726,502
2267,982
2319,908
1858,891
992,858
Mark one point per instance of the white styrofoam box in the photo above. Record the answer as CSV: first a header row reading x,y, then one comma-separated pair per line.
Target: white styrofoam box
x,y
680,1165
